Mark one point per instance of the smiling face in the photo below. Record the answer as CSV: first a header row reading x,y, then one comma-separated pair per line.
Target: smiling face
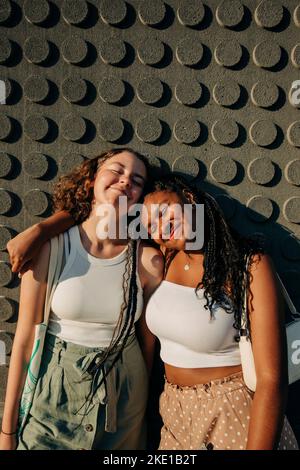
x,y
124,174
165,224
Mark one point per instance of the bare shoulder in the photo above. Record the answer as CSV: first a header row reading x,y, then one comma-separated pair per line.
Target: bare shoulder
x,y
44,253
262,267
264,286
41,262
151,262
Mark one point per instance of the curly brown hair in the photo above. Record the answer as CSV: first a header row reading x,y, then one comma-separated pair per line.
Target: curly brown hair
x,y
74,191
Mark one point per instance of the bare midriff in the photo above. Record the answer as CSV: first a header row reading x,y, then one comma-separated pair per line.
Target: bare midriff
x,y
188,377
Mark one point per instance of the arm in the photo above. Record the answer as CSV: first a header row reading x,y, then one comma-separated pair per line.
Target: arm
x,y
32,299
151,266
269,350
24,247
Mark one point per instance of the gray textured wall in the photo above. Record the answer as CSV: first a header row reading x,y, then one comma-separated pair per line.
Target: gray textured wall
x,y
202,88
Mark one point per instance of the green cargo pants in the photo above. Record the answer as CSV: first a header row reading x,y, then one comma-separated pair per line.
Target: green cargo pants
x,y
72,410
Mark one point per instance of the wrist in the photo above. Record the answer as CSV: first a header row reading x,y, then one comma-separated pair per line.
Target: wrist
x,y
8,433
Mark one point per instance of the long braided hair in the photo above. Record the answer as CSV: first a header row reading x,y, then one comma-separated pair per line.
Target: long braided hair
x,y
122,329
126,318
225,251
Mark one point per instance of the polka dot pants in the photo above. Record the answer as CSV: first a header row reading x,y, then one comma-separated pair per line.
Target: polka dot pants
x,y
215,415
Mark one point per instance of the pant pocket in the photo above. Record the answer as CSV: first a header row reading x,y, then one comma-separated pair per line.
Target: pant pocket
x,y
75,394
46,392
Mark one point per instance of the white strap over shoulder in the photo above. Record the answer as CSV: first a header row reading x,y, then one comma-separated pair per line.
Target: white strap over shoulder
x,y
289,301
55,263
67,244
54,269
244,315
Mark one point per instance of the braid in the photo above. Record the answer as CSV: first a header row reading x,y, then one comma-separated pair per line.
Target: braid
x,y
224,250
124,326
169,256
117,334
209,257
130,312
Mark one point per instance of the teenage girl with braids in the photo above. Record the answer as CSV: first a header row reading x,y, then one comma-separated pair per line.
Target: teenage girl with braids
x,y
195,313
91,391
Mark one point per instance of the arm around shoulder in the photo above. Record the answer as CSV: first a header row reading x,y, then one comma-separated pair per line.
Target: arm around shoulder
x,y
25,247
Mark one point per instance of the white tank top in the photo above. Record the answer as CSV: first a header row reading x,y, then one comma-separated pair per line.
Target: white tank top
x,y
189,337
86,303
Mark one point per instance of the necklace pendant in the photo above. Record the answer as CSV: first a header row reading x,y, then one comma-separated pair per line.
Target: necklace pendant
x,y
186,267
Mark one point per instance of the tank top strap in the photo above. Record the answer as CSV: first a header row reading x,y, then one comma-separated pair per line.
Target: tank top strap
x,y
66,249
67,243
74,238
73,242
70,249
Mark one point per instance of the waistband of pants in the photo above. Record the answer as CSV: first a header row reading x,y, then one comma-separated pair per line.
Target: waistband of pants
x,y
216,387
55,343
85,360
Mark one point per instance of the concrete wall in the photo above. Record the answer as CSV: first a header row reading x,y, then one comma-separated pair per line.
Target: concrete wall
x,y
203,88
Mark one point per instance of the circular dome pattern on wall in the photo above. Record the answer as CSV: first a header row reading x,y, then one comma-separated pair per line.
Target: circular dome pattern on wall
x,y
208,90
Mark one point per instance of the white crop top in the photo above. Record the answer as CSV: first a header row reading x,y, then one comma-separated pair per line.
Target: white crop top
x,y
86,303
189,337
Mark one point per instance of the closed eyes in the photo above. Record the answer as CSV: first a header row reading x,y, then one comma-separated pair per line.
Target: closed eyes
x,y
120,172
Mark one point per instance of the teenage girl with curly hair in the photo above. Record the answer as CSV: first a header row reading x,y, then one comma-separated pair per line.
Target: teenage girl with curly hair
x,y
91,392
